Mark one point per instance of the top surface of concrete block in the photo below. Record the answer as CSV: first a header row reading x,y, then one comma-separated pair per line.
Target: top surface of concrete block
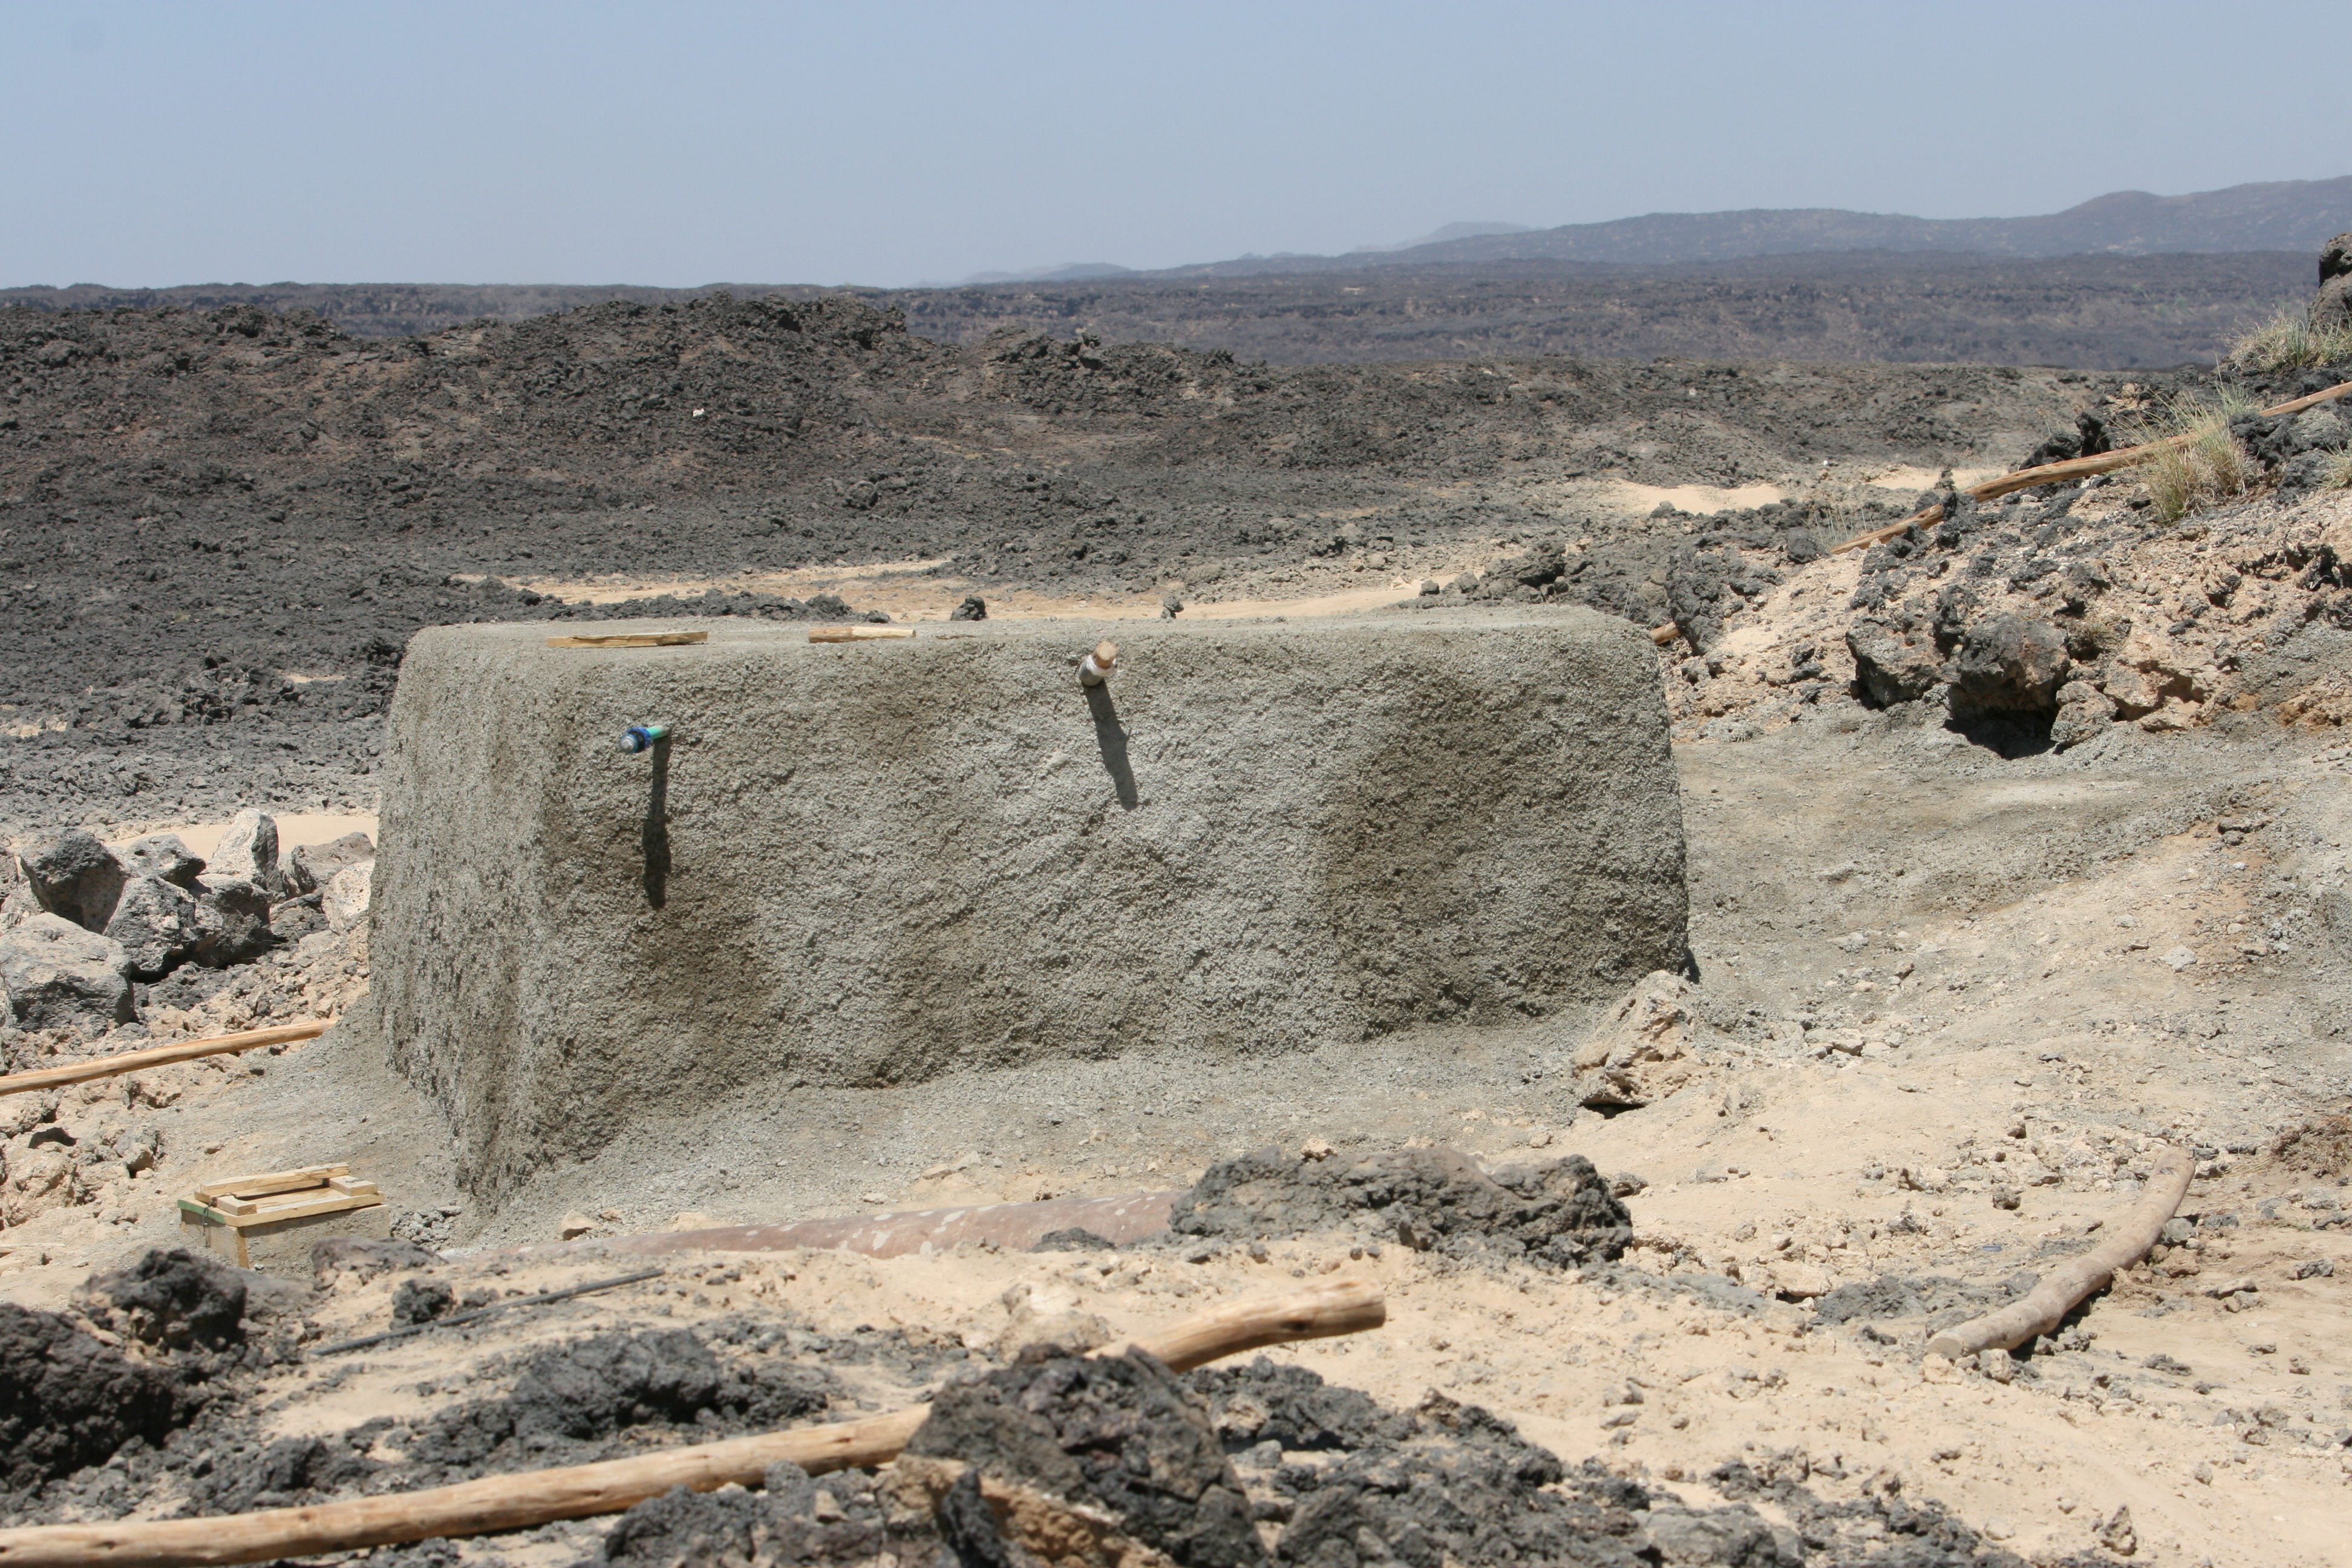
x,y
874,861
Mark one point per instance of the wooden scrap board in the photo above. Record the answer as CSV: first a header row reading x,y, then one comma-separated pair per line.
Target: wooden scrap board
x,y
857,634
633,639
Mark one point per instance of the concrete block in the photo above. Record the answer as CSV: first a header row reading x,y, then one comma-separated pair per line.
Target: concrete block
x,y
282,1247
872,862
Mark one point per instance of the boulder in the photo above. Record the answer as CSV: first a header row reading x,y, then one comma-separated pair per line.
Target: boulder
x,y
155,921
2083,713
247,850
39,1180
1641,1051
312,866
231,924
2133,691
161,856
2331,308
2335,258
345,899
75,876
2320,429
57,976
2008,664
1893,666
1797,1280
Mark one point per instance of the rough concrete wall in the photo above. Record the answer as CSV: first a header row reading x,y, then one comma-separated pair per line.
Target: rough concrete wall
x,y
873,862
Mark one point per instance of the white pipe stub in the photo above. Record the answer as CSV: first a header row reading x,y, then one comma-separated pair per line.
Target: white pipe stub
x,y
1097,667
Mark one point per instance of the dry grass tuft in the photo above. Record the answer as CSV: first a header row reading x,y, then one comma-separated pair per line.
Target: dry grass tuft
x,y
2338,475
2289,342
2208,466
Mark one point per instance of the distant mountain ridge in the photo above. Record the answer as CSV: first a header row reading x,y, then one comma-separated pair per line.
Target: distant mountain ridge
x,y
2282,214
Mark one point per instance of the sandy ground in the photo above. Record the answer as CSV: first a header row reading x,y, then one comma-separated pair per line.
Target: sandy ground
x,y
2017,1019
293,831
1930,979
918,590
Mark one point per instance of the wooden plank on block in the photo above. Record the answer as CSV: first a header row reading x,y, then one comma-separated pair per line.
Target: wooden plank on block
x,y
350,1186
203,1211
857,634
633,639
273,1182
270,1215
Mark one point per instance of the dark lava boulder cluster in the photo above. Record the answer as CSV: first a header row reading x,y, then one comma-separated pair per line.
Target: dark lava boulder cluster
x,y
1559,1214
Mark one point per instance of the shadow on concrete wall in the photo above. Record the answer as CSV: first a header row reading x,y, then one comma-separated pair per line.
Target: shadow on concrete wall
x,y
1112,739
655,836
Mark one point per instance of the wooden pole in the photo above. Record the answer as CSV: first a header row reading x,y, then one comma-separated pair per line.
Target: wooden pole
x,y
158,1056
2039,1310
577,1492
633,639
857,634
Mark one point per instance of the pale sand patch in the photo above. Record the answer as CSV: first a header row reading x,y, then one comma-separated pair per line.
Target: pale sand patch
x,y
903,591
1901,478
798,583
293,831
1698,499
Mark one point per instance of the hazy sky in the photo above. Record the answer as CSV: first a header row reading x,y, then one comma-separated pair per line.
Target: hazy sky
x,y
588,142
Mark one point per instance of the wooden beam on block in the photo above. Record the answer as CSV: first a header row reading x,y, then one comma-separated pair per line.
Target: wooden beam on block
x,y
269,1214
238,1215
633,639
857,634
273,1182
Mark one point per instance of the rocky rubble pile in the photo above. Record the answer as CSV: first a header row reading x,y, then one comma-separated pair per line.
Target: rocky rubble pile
x,y
110,947
1727,560
2054,617
2051,624
85,925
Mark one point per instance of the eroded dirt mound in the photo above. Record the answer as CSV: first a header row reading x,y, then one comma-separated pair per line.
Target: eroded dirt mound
x,y
2321,1146
1559,1214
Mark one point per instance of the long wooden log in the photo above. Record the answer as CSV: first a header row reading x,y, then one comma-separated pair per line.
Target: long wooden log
x,y
159,1056
2041,1308
577,1492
